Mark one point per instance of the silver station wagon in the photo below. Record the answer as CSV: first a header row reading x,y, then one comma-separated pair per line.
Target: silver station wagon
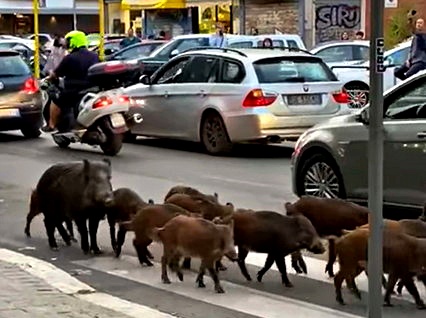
x,y
331,159
224,96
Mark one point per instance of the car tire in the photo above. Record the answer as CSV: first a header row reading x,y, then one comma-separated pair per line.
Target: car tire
x,y
129,137
359,95
113,144
321,177
31,132
214,136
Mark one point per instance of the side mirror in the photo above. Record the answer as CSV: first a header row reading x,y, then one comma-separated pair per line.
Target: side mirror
x,y
363,117
174,53
145,79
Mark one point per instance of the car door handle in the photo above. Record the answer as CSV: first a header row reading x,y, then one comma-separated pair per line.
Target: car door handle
x,y
202,93
421,134
166,94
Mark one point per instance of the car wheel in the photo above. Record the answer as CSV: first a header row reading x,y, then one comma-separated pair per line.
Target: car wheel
x,y
129,137
31,132
320,177
214,136
359,95
113,144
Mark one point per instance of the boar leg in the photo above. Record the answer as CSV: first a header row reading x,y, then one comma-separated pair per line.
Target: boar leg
x,y
268,264
331,257
30,217
82,229
341,275
280,261
217,287
50,231
219,266
93,231
70,229
164,262
412,289
242,254
200,276
298,263
141,248
121,236
399,287
111,223
65,236
389,288
186,263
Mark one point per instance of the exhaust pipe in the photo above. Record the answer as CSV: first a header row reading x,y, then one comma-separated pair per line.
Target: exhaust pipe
x,y
137,118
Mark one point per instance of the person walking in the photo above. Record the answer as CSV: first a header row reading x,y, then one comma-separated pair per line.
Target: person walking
x,y
130,39
218,39
417,58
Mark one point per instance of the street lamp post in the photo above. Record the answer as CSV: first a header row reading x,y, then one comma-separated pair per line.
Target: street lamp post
x,y
375,161
36,38
101,29
74,13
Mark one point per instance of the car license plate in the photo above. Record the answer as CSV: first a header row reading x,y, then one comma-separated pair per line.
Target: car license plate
x,y
9,112
307,99
117,120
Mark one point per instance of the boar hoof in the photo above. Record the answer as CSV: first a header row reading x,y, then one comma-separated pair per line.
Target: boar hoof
x,y
421,306
289,285
340,300
219,290
180,276
73,239
387,304
68,243
201,284
148,263
166,280
97,251
54,248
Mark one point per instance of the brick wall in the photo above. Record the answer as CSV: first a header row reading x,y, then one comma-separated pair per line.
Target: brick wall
x,y
268,15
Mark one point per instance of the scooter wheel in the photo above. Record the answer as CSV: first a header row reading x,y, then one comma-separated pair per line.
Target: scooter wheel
x,y
113,144
62,143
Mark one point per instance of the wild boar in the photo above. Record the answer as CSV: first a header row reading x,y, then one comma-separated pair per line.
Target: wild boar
x,y
191,192
147,218
125,206
79,191
274,234
403,257
195,237
329,217
35,210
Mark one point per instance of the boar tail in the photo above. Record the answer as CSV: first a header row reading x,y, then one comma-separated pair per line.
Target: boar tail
x,y
289,208
127,225
155,234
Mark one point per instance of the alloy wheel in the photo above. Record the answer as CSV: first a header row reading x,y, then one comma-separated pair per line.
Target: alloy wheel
x,y
358,98
321,180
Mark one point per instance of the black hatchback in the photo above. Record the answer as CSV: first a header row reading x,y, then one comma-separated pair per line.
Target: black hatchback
x,y
20,97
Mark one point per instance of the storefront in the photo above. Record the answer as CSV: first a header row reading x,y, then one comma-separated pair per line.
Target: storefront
x,y
212,13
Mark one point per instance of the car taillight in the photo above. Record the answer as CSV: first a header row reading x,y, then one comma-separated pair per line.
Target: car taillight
x,y
341,97
102,102
116,67
30,86
258,98
124,99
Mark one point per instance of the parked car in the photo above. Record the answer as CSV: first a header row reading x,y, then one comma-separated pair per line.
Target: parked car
x,y
135,51
44,38
220,97
20,97
331,159
356,77
93,39
110,47
278,40
26,49
343,51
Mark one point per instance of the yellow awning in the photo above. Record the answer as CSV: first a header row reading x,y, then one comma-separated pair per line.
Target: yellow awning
x,y
152,4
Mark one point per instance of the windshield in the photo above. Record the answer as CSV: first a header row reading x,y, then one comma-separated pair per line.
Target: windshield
x,y
281,70
13,65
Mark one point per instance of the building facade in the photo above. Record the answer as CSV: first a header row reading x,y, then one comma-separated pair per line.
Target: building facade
x,y
16,17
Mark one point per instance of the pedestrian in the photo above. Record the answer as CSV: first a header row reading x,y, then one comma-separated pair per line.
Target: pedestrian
x,y
130,39
417,57
218,39
267,42
254,31
359,35
161,35
344,36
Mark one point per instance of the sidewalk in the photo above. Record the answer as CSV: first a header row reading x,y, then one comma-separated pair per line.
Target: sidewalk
x,y
23,296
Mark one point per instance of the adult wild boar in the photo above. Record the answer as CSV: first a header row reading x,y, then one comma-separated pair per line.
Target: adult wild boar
x,y
124,207
329,217
195,237
274,234
79,191
191,192
35,210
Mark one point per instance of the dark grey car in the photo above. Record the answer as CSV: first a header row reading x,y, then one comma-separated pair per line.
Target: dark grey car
x,y
331,159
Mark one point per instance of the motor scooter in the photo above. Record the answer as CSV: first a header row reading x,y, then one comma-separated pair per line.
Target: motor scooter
x,y
101,118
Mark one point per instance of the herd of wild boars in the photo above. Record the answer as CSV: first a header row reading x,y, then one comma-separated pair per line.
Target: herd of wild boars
x,y
191,224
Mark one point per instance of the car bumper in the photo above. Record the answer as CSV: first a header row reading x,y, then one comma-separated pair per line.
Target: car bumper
x,y
29,116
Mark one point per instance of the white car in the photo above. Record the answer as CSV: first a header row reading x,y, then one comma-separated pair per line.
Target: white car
x,y
278,40
356,78
343,52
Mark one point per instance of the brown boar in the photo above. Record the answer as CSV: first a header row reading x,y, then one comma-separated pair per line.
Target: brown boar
x,y
125,206
274,234
329,217
191,192
195,237
147,218
185,201
35,210
403,257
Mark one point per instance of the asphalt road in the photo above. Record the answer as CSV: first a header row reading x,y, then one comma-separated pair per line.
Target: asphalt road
x,y
256,177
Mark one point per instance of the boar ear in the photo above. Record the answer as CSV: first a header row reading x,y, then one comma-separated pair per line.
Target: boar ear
x,y
86,169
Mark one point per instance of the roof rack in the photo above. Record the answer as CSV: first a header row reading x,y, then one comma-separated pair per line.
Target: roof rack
x,y
283,48
223,49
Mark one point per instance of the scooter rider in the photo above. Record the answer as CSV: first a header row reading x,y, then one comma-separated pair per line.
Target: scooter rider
x,y
73,68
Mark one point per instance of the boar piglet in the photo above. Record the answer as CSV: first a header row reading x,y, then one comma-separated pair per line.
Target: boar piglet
x,y
274,234
191,192
147,218
125,206
195,237
403,257
329,217
78,191
35,210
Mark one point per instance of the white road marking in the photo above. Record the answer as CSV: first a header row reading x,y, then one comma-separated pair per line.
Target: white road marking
x,y
67,284
238,298
244,182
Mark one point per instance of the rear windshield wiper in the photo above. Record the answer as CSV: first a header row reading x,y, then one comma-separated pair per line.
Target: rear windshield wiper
x,y
299,79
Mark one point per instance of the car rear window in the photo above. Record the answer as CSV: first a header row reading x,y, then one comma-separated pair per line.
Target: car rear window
x,y
13,65
281,70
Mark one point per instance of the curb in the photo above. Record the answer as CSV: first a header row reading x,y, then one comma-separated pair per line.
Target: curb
x,y
67,284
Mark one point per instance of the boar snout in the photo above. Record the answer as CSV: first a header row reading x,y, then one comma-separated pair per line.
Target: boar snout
x,y
109,199
317,247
